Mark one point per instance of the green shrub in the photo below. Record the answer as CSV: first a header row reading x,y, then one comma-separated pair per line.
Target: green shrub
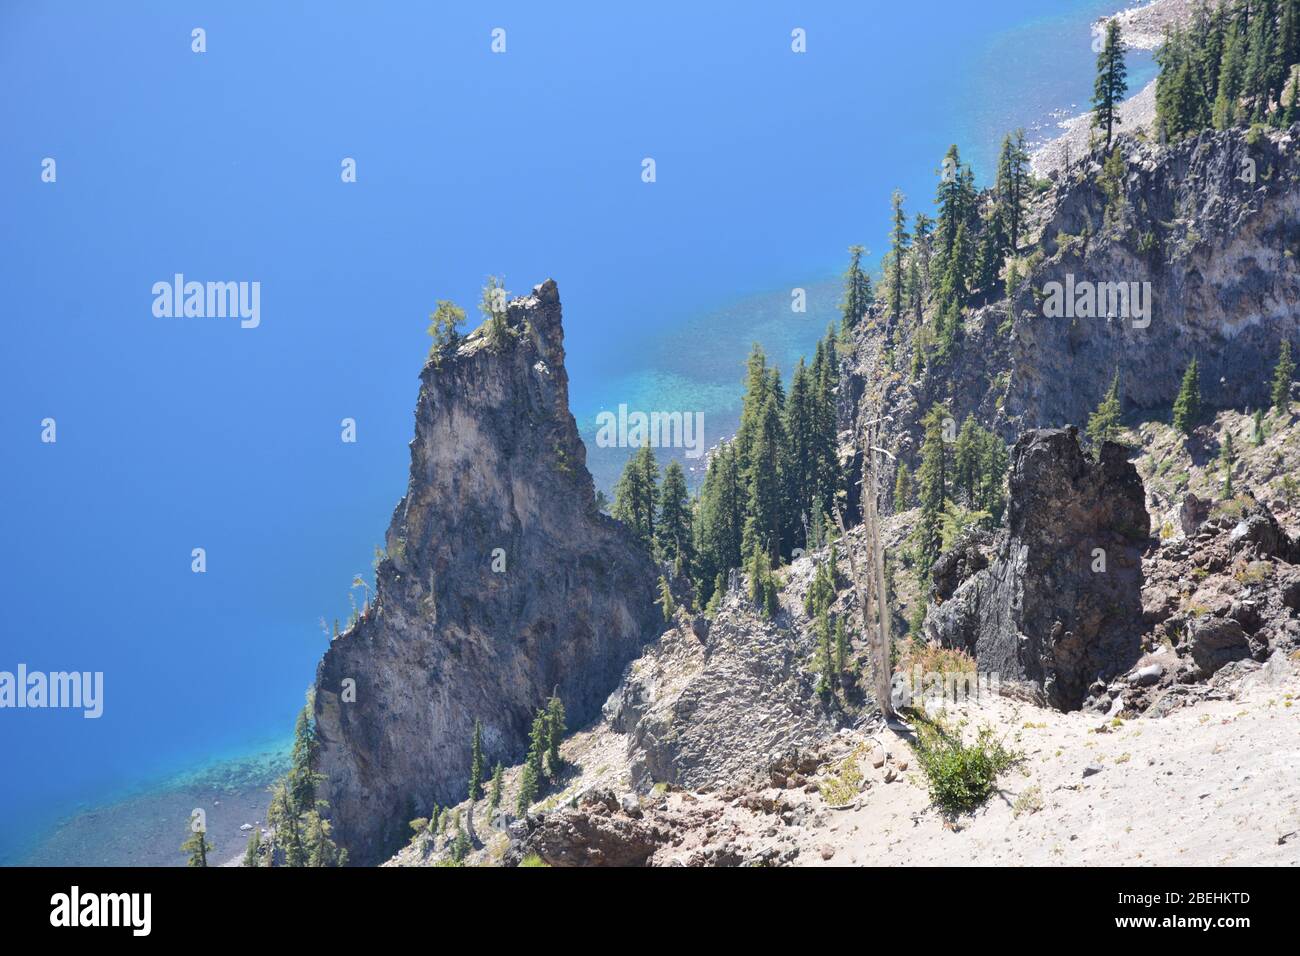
x,y
961,776
532,859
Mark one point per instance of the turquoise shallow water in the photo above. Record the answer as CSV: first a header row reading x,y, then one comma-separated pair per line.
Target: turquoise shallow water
x,y
180,434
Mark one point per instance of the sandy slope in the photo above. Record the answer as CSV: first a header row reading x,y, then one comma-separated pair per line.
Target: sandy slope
x,y
1215,783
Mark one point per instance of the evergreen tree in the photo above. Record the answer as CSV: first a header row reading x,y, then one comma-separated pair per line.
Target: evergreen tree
x,y
898,245
933,477
1112,81
827,682
253,850
1282,376
764,509
476,763
554,734
857,290
1227,460
841,646
197,846
1104,423
965,461
636,494
321,848
302,777
1187,406
902,488
665,601
444,323
492,306
1258,436
1011,189
673,533
494,792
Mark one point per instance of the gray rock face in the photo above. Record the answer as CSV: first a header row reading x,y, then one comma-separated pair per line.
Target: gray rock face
x,y
496,463
1047,611
704,713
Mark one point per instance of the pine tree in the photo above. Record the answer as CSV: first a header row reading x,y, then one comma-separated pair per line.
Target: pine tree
x,y
1227,460
841,646
898,245
198,847
1112,81
933,477
665,601
302,776
476,763
857,291
1104,423
253,850
965,461
902,488
765,500
1257,437
636,494
554,734
1187,406
1011,190
321,848
1282,376
494,792
673,534
444,323
825,656
492,306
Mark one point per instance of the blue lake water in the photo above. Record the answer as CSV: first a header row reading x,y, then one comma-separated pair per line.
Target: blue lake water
x,y
175,434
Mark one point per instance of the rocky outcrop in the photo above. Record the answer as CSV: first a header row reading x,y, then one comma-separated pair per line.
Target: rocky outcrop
x,y
502,583
1212,225
1060,605
1223,599
704,711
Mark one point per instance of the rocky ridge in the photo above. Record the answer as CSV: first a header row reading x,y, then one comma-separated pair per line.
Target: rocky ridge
x,y
502,584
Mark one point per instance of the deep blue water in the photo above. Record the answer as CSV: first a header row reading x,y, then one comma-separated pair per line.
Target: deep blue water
x,y
182,433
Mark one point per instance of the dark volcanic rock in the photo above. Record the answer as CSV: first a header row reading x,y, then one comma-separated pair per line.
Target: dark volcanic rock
x,y
496,463
1061,604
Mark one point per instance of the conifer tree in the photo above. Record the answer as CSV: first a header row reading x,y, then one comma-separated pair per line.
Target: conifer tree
x,y
898,245
197,846
1187,406
673,532
1112,81
494,792
665,601
841,646
902,488
1227,460
554,734
636,494
1282,376
1104,423
857,291
492,306
444,324
476,763
1257,437
933,477
253,850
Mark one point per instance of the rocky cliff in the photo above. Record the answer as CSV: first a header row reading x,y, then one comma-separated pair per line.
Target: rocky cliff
x,y
502,583
1060,605
1211,224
